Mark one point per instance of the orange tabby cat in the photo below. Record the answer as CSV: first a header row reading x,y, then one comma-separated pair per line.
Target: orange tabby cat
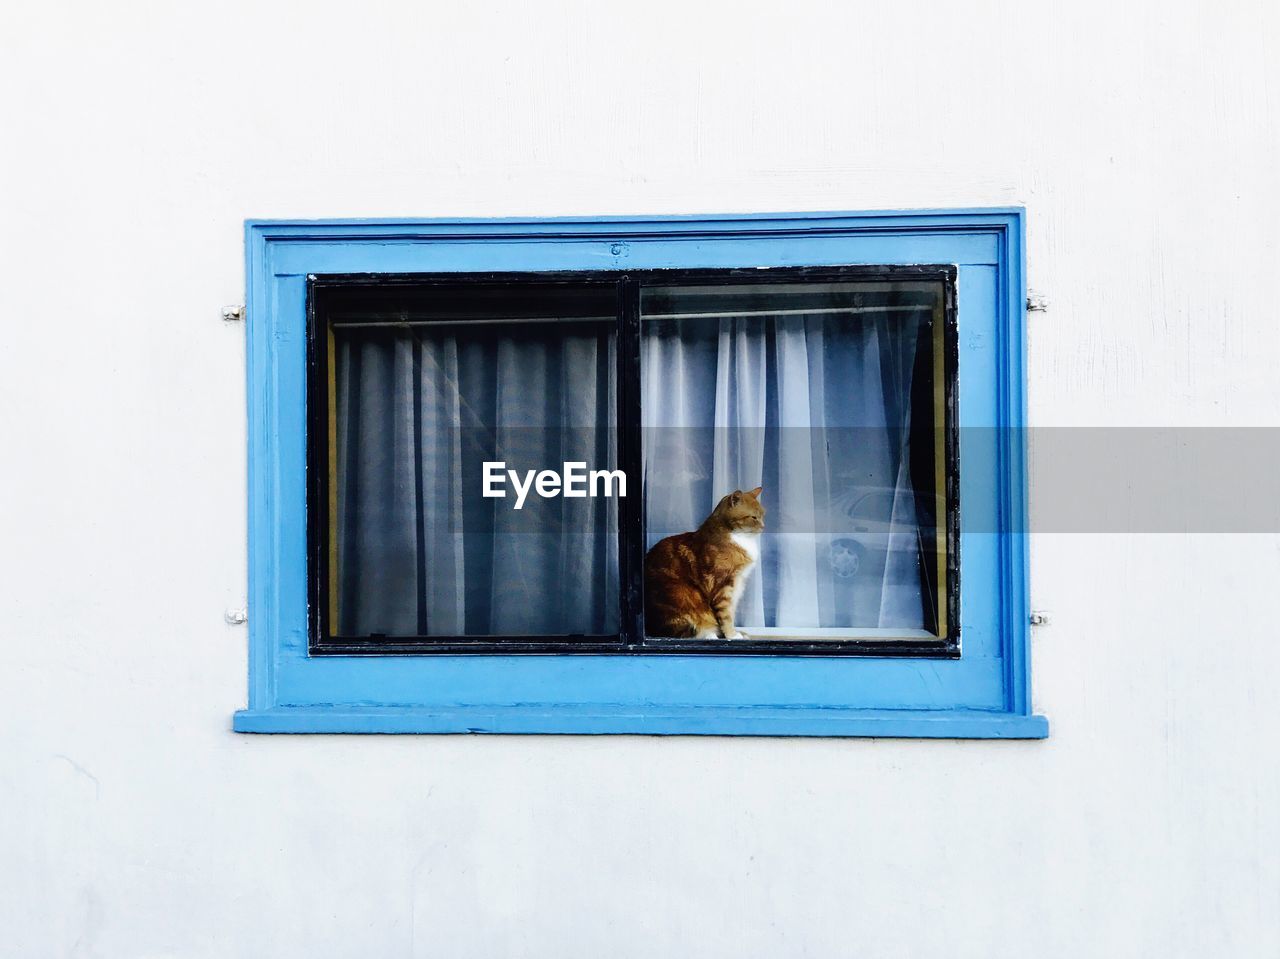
x,y
693,581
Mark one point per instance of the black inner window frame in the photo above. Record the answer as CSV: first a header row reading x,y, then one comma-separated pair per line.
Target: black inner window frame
x,y
321,289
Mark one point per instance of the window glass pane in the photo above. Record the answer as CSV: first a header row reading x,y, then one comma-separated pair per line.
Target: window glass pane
x,y
430,384
830,397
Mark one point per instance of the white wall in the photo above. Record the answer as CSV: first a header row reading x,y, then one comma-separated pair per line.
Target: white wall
x,y
136,138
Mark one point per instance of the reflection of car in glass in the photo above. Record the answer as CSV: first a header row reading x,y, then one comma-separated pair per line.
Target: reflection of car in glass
x,y
863,532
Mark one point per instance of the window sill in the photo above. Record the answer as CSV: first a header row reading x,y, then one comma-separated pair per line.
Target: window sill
x,y
657,721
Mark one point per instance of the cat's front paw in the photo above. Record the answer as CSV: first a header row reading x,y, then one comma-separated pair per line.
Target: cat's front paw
x,y
736,634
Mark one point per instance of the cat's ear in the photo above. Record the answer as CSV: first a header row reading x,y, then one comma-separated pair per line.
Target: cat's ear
x,y
757,491
735,497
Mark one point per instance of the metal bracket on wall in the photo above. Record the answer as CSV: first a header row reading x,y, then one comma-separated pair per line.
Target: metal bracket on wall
x,y
1037,302
1039,618
233,314
236,617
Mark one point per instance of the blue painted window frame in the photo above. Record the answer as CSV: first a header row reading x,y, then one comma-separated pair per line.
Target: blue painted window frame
x,y
983,694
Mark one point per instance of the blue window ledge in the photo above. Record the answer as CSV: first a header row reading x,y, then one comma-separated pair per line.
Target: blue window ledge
x,y
659,721
983,694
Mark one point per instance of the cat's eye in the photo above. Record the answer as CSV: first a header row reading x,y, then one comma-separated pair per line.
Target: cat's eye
x,y
492,457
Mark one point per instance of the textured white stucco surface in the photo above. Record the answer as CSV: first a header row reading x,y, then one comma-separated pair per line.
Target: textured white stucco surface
x,y
1141,137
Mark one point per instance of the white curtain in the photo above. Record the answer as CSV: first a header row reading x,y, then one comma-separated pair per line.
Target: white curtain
x,y
420,551
816,409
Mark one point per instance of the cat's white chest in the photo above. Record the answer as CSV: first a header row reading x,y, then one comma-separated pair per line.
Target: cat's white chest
x,y
749,543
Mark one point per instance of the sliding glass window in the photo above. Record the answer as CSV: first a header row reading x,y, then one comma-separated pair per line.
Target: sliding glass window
x,y
677,461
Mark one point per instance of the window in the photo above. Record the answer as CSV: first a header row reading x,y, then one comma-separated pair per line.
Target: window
x,y
472,443
419,385
830,389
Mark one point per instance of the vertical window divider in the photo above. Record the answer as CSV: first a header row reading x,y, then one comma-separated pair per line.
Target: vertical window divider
x,y
319,412
631,506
